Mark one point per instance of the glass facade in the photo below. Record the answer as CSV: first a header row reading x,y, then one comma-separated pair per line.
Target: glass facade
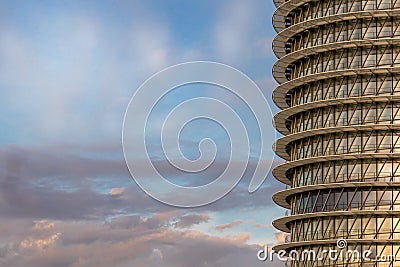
x,y
352,87
338,71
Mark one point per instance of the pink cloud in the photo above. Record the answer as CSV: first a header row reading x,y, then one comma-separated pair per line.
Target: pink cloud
x,y
228,225
129,241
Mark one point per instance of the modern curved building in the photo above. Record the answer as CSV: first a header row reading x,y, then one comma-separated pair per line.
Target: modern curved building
x,y
339,91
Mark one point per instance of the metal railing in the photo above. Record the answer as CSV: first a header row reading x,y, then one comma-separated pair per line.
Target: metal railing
x,y
303,99
351,177
338,10
352,234
368,120
343,150
347,206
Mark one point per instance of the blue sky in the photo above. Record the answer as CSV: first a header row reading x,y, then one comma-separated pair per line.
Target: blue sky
x,y
67,72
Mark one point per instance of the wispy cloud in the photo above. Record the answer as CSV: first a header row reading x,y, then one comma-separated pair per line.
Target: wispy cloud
x,y
228,225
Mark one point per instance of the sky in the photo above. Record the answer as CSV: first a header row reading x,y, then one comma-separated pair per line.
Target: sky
x,y
68,70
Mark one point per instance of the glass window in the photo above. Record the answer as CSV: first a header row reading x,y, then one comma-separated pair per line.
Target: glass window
x,y
355,5
396,56
354,171
369,199
384,4
396,171
369,4
320,203
355,114
384,28
341,32
384,199
369,28
354,30
369,57
384,56
341,86
384,85
369,112
369,226
370,86
355,198
384,142
396,83
342,202
354,86
396,229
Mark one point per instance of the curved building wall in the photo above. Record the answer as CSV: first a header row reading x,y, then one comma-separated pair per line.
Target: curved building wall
x,y
338,71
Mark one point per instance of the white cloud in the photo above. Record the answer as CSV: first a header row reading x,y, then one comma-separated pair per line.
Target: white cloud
x,y
237,34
